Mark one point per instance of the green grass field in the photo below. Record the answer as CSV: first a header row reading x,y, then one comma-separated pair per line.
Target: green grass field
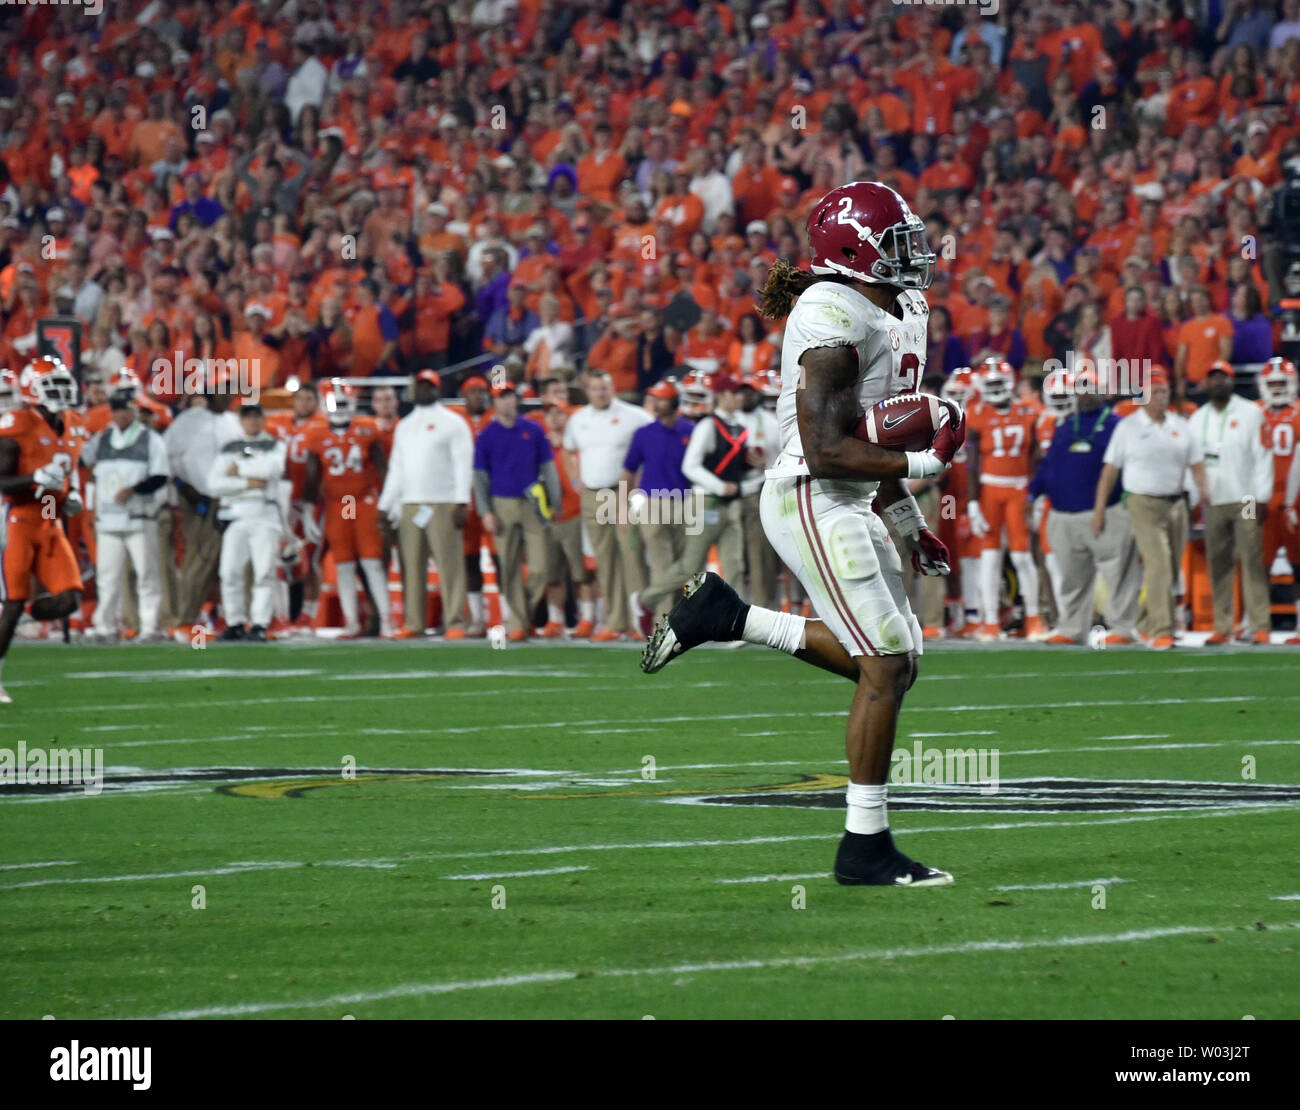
x,y
523,777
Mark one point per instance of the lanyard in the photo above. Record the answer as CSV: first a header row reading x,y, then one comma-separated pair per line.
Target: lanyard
x,y
1101,419
1223,420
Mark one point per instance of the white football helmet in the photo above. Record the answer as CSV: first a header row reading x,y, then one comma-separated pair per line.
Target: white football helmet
x,y
697,397
1278,382
48,383
339,400
1058,392
997,382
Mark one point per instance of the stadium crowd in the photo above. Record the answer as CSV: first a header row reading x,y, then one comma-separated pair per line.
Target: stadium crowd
x,y
482,277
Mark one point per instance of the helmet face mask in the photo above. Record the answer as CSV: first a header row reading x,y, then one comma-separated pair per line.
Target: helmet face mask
x,y
1058,393
340,403
1278,382
997,384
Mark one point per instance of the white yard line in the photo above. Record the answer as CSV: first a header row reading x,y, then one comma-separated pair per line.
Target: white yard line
x,y
232,869
1136,736
418,990
44,863
517,874
1064,886
1285,898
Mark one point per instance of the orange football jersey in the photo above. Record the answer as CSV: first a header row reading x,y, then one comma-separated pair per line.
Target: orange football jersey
x,y
1281,429
38,445
346,467
1006,442
295,433
1045,428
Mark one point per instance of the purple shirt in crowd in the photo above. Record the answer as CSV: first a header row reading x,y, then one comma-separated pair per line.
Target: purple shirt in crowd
x,y
658,452
512,457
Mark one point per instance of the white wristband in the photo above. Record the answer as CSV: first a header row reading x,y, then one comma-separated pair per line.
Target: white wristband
x,y
905,516
924,464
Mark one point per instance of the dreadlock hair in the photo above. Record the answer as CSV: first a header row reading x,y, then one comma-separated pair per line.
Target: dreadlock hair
x,y
784,283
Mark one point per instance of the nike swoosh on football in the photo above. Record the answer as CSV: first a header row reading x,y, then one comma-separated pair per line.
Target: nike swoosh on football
x,y
891,421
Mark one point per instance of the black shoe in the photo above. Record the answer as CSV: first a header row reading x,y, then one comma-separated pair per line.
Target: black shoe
x,y
872,860
709,610
256,634
234,632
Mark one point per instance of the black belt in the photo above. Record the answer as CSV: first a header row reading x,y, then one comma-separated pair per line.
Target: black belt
x,y
1161,496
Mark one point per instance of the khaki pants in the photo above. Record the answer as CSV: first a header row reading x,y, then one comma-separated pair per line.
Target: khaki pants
x,y
520,535
564,547
1230,537
198,572
760,557
1081,556
1160,529
440,537
664,544
618,562
720,524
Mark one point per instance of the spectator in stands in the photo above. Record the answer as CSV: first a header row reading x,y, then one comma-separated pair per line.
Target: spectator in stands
x,y
1151,452
1229,432
945,350
596,442
511,458
1135,335
1252,331
426,491
1203,339
509,328
549,345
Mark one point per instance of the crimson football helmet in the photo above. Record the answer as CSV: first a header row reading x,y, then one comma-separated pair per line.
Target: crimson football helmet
x,y
997,382
1058,392
48,383
339,400
1278,382
865,231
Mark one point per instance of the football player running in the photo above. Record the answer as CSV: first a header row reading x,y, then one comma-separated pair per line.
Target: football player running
x,y
40,445
855,336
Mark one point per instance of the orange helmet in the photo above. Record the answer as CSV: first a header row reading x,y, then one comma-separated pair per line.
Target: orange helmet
x,y
1278,381
47,383
339,400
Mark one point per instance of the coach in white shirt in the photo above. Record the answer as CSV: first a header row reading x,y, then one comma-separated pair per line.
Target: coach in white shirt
x,y
1153,450
1230,430
596,440
193,440
426,491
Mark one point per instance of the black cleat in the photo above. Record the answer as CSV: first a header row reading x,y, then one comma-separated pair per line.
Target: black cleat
x,y
234,632
872,860
256,634
710,610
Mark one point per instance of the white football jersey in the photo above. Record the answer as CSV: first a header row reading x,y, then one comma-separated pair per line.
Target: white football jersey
x,y
891,352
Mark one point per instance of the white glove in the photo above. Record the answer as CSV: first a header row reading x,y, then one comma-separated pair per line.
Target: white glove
x,y
925,464
978,525
50,476
1037,513
310,525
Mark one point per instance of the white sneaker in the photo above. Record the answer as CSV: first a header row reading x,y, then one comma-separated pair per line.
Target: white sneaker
x,y
5,699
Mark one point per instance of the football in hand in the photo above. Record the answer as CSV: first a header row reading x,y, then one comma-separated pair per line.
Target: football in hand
x,y
907,422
